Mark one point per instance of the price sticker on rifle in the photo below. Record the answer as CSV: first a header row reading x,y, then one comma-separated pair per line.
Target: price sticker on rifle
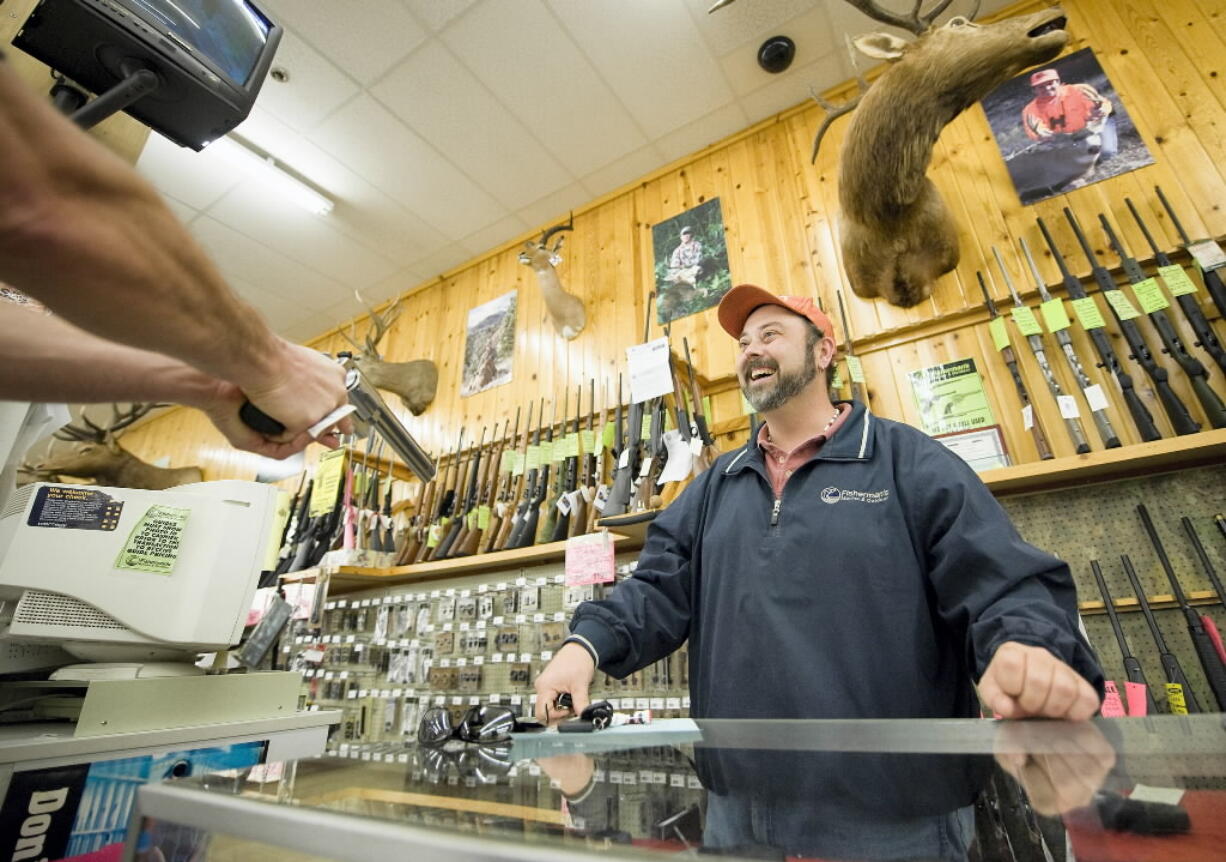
x,y
1095,397
545,452
1054,315
1175,699
1207,254
1023,316
483,519
836,382
533,461
602,497
1000,335
607,436
1149,294
650,367
1088,314
587,440
1177,281
1119,303
1027,417
507,462
1068,407
855,369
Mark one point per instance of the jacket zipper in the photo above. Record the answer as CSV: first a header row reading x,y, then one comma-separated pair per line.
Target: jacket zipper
x,y
775,511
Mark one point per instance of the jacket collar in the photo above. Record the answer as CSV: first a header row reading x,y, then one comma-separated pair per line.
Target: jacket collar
x,y
854,442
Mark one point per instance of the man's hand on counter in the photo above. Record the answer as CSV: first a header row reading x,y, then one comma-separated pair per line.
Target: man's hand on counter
x,y
1075,761
570,672
1025,681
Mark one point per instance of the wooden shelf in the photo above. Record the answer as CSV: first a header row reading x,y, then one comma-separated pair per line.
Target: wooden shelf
x,y
1160,602
632,525
1206,447
344,579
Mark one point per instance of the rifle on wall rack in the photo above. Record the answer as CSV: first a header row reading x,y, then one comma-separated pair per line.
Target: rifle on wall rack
x,y
1179,694
857,389
1184,291
1154,304
1124,313
1132,665
1210,626
508,507
1094,326
1034,338
709,452
1093,393
1213,278
1010,358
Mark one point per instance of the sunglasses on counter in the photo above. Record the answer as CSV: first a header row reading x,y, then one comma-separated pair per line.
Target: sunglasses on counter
x,y
483,725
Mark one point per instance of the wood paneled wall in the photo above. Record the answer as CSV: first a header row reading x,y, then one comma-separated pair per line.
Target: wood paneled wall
x,y
1167,59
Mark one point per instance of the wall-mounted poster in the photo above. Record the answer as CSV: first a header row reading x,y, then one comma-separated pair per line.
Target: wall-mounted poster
x,y
691,262
490,345
1062,126
950,397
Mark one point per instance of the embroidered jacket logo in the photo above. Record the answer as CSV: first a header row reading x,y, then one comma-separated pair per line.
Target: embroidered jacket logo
x,y
837,495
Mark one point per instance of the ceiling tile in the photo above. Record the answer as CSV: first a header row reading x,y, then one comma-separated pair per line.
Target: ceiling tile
x,y
380,148
401,281
315,87
242,259
487,238
702,132
526,59
784,93
280,313
441,261
624,170
813,37
373,37
556,207
441,100
362,212
182,211
654,58
196,179
436,13
261,213
747,23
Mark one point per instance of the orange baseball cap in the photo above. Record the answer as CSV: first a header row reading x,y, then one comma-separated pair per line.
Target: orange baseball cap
x,y
1043,76
740,302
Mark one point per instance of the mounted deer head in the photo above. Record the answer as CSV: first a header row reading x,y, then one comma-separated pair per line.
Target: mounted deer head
x,y
898,237
96,454
565,309
415,381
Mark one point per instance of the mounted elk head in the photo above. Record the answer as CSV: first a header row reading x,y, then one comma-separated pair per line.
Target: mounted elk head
x,y
97,455
898,236
565,309
415,381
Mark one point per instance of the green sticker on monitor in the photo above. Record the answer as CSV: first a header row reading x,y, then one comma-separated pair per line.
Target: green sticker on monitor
x,y
1025,320
1000,335
153,544
1054,315
1177,281
1149,294
1088,314
1120,305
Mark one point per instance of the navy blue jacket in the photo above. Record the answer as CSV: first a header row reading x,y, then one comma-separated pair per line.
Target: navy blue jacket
x,y
878,585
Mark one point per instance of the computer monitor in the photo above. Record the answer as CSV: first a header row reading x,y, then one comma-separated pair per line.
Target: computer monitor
x,y
134,576
210,57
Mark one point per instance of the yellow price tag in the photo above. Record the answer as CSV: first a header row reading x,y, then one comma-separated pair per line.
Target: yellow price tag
x,y
610,431
1177,281
1149,294
508,460
519,464
1175,699
855,369
835,383
646,425
1088,314
1000,335
546,455
1026,323
587,439
533,460
1054,315
1120,305
327,485
483,517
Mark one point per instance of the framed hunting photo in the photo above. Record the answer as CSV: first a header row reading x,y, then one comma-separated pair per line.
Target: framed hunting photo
x,y
1062,126
691,262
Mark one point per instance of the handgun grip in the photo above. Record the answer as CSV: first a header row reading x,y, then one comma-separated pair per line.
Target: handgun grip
x,y
257,420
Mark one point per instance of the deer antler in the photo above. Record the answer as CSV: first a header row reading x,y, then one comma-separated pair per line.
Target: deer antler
x,y
95,433
833,112
379,325
557,228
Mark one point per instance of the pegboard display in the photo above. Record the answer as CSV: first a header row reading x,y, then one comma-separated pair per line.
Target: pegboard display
x,y
383,656
1100,522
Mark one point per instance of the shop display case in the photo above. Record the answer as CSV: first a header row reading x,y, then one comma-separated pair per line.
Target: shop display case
x,y
1104,790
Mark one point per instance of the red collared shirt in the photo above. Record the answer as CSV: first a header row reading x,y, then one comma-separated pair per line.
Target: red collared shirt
x,y
780,464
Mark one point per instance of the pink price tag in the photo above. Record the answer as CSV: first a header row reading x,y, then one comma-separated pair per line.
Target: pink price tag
x,y
1138,705
589,559
1113,707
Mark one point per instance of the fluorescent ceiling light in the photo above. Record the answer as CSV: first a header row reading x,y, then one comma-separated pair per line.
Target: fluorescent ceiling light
x,y
266,171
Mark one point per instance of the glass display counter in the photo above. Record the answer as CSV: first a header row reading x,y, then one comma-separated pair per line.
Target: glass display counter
x,y
1110,789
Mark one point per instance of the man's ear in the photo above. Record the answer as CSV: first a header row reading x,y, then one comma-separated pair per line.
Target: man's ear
x,y
881,46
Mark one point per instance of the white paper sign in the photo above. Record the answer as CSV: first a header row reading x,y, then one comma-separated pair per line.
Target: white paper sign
x,y
1068,407
1095,397
680,458
650,370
